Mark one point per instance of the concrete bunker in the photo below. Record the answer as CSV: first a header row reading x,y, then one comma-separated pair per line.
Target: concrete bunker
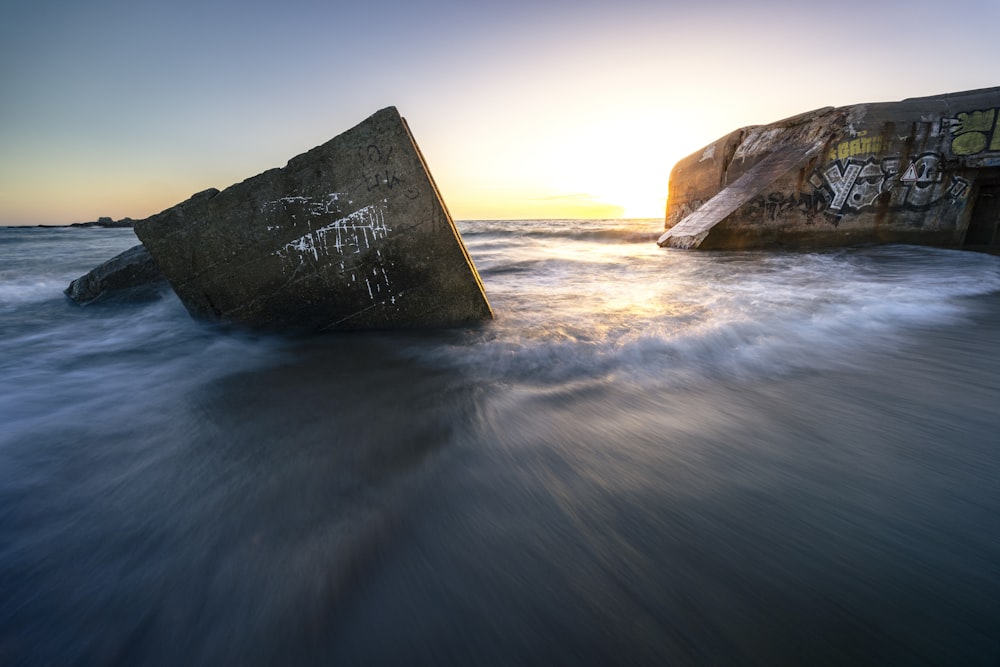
x,y
352,234
923,171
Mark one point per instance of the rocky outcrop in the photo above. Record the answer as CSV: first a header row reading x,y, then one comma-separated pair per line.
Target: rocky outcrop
x,y
132,274
923,170
106,221
352,234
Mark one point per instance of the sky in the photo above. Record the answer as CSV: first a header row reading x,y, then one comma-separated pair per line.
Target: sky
x,y
522,108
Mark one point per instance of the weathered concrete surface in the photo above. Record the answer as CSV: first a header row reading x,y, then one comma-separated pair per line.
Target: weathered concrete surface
x,y
131,270
352,234
692,230
923,170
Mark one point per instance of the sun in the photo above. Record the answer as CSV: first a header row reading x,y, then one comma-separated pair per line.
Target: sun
x,y
645,208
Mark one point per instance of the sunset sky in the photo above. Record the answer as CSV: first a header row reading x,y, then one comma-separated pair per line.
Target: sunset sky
x,y
523,108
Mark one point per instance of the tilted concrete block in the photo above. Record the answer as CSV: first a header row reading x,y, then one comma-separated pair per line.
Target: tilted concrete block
x,y
130,275
352,234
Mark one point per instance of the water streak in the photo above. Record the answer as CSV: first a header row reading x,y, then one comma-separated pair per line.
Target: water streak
x,y
650,457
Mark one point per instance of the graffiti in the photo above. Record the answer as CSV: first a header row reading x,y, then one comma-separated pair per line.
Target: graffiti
x,y
351,234
296,207
922,183
974,131
375,154
384,175
682,211
776,204
853,184
840,178
862,145
376,180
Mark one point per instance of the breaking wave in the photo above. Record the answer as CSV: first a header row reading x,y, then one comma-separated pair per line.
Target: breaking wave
x,y
679,317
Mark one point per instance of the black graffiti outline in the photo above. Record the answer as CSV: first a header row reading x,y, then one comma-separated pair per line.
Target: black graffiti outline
x,y
376,180
854,185
375,154
775,204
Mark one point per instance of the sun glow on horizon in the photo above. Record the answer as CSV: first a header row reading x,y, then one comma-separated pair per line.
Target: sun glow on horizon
x,y
584,168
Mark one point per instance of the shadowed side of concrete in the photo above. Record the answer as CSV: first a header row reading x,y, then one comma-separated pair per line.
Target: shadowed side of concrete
x,y
352,234
132,273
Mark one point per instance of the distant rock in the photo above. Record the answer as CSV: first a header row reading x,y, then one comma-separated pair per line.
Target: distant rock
x,y
132,274
106,221
350,235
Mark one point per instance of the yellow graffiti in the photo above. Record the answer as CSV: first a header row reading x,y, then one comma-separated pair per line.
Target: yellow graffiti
x,y
969,144
861,146
972,132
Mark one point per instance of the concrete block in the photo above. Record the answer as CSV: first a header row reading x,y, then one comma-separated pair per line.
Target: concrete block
x,y
352,234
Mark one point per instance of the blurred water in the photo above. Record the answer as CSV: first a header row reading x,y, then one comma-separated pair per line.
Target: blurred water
x,y
649,457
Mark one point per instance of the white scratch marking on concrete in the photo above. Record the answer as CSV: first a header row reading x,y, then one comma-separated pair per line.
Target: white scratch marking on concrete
x,y
352,233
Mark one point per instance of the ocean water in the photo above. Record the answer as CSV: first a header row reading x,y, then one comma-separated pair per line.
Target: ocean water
x,y
650,457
